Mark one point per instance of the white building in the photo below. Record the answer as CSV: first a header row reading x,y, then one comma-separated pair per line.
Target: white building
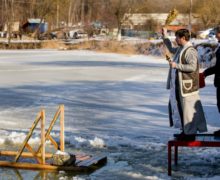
x,y
133,20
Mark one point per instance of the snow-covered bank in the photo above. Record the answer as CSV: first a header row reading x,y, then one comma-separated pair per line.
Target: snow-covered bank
x,y
114,105
127,45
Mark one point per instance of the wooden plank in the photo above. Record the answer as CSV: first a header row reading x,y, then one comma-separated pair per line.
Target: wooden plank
x,y
50,127
53,142
32,151
81,155
24,154
40,166
28,136
82,158
92,161
62,136
43,137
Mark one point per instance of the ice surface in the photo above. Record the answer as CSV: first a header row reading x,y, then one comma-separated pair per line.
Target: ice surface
x,y
114,105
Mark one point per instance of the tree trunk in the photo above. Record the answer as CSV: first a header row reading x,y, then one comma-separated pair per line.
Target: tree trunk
x,y
58,9
83,12
69,13
8,22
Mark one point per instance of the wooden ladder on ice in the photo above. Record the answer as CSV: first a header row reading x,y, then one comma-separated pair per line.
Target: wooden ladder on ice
x,y
83,162
40,154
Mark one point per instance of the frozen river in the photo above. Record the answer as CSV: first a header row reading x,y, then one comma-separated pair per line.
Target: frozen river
x,y
115,105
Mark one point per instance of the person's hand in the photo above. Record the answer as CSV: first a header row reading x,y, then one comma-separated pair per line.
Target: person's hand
x,y
201,80
164,32
203,74
172,65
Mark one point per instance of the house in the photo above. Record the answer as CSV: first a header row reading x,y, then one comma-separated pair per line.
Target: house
x,y
132,21
14,29
32,24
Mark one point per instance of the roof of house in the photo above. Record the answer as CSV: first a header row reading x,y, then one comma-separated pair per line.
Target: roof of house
x,y
175,27
141,18
34,21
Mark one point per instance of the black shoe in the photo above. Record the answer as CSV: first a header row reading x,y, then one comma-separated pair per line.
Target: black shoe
x,y
217,133
178,135
185,137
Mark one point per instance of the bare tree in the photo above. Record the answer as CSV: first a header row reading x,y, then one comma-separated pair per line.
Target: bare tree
x,y
208,11
9,18
42,10
112,13
151,25
120,8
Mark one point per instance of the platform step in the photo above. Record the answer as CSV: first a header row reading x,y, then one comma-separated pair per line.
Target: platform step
x,y
94,160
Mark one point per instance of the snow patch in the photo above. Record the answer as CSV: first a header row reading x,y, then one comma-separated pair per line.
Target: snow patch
x,y
16,138
80,142
140,176
97,142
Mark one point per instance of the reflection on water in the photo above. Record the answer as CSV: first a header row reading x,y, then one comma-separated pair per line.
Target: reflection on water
x,y
129,162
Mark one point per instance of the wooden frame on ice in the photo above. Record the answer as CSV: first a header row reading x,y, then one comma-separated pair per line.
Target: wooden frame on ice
x,y
40,154
83,162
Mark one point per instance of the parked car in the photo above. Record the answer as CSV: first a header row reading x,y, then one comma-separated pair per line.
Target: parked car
x,y
3,34
47,36
212,34
206,34
77,34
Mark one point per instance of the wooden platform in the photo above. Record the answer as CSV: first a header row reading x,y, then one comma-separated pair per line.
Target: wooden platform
x,y
83,163
39,157
201,140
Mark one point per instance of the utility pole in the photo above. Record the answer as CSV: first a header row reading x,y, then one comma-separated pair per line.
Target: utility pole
x,y
190,16
69,14
8,21
58,9
12,11
2,11
82,12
